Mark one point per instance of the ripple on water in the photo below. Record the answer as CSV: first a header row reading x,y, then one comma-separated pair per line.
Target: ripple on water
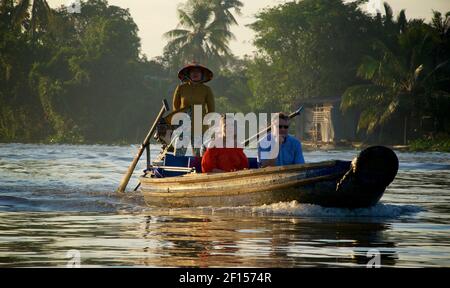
x,y
75,185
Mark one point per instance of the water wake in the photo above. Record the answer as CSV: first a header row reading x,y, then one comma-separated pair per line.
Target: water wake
x,y
294,208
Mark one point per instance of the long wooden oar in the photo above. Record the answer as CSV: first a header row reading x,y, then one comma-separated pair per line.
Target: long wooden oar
x,y
268,128
127,176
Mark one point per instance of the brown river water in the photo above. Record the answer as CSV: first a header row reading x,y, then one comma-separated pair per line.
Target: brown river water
x,y
57,206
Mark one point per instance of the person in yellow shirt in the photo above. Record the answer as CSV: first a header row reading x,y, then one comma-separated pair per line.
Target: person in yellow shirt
x,y
192,91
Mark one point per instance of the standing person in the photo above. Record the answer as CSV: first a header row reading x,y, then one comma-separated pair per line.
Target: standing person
x,y
290,149
192,91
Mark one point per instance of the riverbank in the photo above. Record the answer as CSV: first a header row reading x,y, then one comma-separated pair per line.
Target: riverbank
x,y
441,144
313,146
438,144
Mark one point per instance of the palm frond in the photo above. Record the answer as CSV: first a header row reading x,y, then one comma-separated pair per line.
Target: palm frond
x,y
368,120
202,15
175,33
436,69
368,68
236,5
391,68
219,33
361,96
389,15
402,22
391,109
219,46
436,21
185,19
176,43
417,72
223,15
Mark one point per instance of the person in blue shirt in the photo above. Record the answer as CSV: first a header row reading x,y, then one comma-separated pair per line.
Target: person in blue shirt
x,y
279,148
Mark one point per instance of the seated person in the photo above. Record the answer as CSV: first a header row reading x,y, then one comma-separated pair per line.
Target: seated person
x,y
290,149
224,159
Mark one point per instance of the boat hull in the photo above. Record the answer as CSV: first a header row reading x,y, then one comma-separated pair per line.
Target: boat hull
x,y
316,183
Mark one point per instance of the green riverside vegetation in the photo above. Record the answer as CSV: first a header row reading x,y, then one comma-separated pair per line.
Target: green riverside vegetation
x,y
81,77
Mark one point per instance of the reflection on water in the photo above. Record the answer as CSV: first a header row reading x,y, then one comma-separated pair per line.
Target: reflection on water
x,y
57,198
185,240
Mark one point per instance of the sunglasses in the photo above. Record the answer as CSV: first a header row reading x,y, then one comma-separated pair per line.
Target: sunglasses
x,y
283,126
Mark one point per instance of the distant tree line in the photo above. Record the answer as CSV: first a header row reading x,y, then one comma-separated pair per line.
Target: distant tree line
x,y
81,78
74,77
389,70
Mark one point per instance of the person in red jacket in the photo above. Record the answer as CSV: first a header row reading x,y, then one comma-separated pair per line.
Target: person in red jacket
x,y
224,159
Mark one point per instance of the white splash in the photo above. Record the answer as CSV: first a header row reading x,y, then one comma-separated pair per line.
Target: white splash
x,y
294,208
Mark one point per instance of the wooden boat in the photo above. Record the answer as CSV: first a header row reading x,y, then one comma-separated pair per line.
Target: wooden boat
x,y
359,183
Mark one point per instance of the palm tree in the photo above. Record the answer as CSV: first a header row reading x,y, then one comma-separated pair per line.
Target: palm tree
x,y
442,25
400,82
387,27
441,98
222,11
203,33
390,86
